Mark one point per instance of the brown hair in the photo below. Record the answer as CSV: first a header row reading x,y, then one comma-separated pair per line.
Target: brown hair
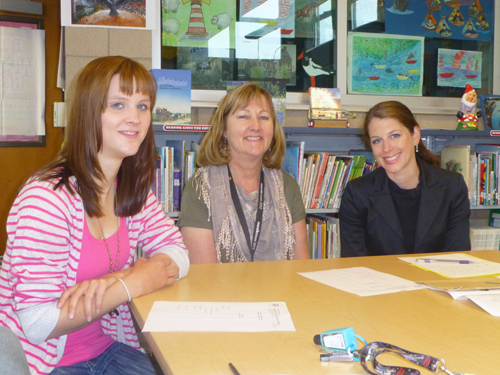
x,y
213,147
398,111
83,138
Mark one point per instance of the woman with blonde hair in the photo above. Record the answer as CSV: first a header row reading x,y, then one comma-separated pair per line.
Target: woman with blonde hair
x,y
240,206
75,226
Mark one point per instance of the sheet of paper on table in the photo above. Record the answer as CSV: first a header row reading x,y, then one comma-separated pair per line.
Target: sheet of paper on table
x,y
362,281
218,317
488,302
462,288
479,267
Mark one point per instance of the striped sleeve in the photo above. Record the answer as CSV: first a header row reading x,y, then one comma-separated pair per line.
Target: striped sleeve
x,y
158,234
39,243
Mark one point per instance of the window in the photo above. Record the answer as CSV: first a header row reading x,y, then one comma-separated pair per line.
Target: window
x,y
317,36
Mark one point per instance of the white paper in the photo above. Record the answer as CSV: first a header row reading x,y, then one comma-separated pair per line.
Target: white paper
x,y
488,302
480,267
218,317
22,81
362,281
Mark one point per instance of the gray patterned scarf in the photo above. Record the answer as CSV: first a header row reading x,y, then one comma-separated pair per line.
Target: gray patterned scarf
x,y
277,240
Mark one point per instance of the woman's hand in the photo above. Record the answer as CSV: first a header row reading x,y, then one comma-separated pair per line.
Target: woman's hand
x,y
91,290
148,275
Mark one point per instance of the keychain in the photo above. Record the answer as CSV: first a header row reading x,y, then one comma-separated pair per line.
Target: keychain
x,y
341,343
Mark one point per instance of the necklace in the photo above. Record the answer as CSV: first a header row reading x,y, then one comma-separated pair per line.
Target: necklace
x,y
111,268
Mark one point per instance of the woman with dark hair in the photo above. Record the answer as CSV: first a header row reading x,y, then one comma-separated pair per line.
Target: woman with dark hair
x,y
409,204
240,206
75,226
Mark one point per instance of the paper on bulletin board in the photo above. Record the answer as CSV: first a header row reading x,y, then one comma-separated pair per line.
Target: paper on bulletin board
x,y
22,62
456,68
384,64
133,15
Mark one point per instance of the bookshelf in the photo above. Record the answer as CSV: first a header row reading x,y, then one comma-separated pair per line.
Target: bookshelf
x,y
340,140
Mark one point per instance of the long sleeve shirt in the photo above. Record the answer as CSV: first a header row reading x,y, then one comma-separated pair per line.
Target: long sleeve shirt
x,y
44,239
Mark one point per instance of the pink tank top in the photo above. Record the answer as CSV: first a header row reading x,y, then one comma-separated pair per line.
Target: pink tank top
x,y
87,343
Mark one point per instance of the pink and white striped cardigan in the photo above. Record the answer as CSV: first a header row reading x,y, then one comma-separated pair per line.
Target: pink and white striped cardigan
x,y
45,229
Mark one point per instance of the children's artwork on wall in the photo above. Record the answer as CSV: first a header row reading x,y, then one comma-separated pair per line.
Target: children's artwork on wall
x,y
193,23
385,64
277,89
456,68
270,15
283,67
490,106
207,73
451,19
109,13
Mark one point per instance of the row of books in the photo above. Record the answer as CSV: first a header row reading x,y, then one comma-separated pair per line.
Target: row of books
x,y
175,165
322,176
480,169
323,236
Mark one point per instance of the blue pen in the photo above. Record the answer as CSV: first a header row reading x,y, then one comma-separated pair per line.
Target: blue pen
x,y
458,261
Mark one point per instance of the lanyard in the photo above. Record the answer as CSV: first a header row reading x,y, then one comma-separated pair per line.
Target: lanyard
x,y
252,246
370,352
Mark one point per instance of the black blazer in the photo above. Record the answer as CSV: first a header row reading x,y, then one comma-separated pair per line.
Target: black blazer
x,y
369,224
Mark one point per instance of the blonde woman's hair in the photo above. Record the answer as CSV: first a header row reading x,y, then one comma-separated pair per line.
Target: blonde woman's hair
x,y
214,148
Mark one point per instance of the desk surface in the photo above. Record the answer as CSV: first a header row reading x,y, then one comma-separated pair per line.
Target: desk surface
x,y
423,321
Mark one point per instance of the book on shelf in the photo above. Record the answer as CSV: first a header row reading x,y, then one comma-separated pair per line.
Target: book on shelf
x,y
323,236
484,238
456,158
179,150
292,162
173,97
328,123
325,98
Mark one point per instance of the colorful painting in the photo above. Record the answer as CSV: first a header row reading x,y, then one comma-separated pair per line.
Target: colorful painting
x,y
456,68
385,64
451,19
195,23
490,106
108,13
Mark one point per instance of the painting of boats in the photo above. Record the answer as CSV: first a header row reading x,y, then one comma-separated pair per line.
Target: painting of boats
x,y
413,71
452,3
433,4
429,22
410,59
401,4
456,17
446,75
378,64
471,76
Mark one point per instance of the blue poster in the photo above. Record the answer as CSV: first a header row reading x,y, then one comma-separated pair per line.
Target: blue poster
x,y
451,19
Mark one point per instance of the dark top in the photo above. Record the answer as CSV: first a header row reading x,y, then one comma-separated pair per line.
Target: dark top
x,y
369,223
406,202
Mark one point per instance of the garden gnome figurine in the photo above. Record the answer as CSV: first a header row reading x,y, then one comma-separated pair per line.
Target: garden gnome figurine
x,y
467,116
